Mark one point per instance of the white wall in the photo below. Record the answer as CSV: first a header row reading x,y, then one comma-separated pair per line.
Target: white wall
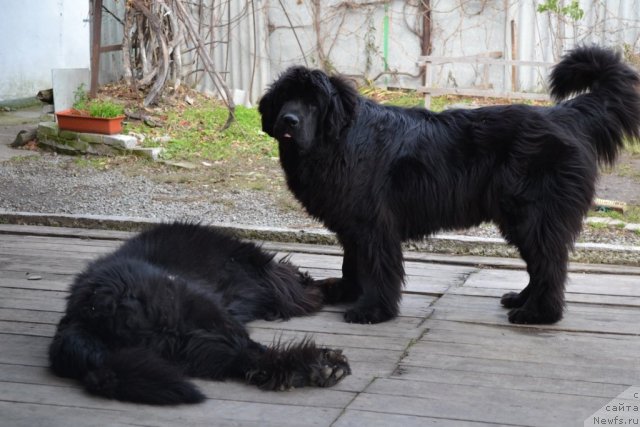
x,y
354,37
36,36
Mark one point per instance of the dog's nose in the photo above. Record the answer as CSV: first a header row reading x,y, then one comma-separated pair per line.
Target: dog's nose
x,y
291,119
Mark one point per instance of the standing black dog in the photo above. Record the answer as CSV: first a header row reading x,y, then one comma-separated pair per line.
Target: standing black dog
x,y
173,301
377,175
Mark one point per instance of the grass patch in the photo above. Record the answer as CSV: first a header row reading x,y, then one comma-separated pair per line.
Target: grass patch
x,y
632,147
99,163
196,134
632,214
22,159
598,225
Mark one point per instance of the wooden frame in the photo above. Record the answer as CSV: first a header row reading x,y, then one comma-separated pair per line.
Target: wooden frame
x,y
97,48
488,59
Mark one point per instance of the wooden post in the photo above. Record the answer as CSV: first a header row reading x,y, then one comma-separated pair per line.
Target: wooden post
x,y
96,41
427,83
425,47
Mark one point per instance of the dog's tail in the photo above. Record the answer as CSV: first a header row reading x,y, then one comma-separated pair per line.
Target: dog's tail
x,y
611,111
130,374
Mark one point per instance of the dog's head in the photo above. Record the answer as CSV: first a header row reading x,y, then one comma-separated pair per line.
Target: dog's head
x,y
303,106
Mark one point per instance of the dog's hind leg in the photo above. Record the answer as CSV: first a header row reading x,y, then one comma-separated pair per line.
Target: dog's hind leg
x,y
215,355
546,254
545,293
286,366
127,374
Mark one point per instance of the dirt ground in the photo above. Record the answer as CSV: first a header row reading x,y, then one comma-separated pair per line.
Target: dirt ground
x,y
622,182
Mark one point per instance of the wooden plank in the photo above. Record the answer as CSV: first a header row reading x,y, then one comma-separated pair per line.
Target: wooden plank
x,y
45,242
45,283
568,355
514,335
329,322
33,316
24,350
48,231
308,396
509,380
25,374
26,328
17,414
482,59
525,354
577,318
453,260
531,370
43,266
600,284
411,305
28,299
355,418
615,300
414,284
60,254
221,412
483,93
484,404
432,271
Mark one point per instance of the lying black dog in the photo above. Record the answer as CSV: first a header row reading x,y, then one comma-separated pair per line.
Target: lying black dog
x,y
377,175
173,301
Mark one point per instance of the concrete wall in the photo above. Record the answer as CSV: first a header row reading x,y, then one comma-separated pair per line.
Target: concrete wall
x,y
37,36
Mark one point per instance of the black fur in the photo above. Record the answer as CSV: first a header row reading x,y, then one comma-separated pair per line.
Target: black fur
x,y
377,175
173,301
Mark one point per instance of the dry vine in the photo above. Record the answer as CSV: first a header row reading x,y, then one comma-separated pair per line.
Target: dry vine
x,y
156,34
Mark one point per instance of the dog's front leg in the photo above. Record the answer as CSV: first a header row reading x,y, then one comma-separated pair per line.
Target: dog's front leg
x,y
380,275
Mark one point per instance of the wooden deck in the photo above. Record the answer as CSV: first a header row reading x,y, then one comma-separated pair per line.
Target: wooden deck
x,y
450,359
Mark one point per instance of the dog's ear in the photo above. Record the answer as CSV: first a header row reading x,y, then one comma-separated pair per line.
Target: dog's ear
x,y
342,106
268,110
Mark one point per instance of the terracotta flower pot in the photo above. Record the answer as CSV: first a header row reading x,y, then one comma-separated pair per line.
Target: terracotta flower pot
x,y
77,121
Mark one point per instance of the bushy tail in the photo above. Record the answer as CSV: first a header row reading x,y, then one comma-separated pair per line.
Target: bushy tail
x,y
613,105
133,374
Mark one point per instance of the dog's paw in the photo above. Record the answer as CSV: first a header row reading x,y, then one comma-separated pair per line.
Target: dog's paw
x,y
513,300
367,315
338,290
525,316
333,367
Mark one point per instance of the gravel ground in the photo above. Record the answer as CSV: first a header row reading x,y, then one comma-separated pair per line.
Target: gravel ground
x,y
56,184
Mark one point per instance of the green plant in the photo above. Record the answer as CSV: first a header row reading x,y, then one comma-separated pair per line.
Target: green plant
x,y
105,109
95,108
573,10
80,98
